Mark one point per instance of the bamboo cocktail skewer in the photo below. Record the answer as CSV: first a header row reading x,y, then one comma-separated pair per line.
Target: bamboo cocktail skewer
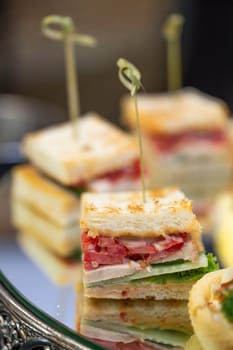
x,y
63,29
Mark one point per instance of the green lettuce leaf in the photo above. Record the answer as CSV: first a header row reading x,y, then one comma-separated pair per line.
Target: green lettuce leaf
x,y
157,335
77,191
76,255
227,306
183,276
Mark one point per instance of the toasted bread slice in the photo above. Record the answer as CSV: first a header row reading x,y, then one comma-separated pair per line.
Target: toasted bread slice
x,y
59,270
168,291
62,240
165,314
185,110
166,211
100,148
55,202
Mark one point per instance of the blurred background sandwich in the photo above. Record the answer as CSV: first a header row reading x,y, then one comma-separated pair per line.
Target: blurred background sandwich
x,y
101,157
32,96
45,193
58,270
45,210
186,141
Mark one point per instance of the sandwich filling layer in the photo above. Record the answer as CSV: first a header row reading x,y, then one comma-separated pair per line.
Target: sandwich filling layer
x,y
102,250
121,333
169,142
169,259
135,345
177,272
118,180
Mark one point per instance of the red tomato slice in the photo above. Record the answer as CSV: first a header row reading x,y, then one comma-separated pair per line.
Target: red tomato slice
x,y
167,142
165,253
92,260
102,250
132,171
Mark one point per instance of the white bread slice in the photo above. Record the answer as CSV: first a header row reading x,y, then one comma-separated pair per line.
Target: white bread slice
x,y
165,211
175,291
212,328
100,148
163,314
56,203
62,240
185,110
59,270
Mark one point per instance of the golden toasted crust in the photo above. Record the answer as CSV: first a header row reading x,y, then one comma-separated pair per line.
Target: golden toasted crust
x,y
99,148
210,325
63,240
49,199
58,270
165,314
124,214
185,110
175,291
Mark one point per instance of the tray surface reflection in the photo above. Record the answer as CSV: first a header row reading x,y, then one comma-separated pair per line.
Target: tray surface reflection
x,y
34,312
60,303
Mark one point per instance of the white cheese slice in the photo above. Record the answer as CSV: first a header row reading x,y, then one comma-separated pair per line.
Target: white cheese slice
x,y
139,272
112,271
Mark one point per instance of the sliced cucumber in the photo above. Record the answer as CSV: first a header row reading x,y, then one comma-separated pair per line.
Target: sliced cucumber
x,y
162,269
158,270
169,337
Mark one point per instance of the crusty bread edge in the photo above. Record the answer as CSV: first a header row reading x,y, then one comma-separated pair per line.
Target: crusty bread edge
x,y
47,197
178,291
57,270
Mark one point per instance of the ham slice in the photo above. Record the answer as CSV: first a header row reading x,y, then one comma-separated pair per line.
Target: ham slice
x,y
189,252
166,143
107,251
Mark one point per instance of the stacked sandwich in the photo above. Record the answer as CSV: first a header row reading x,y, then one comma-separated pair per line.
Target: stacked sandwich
x,y
138,257
45,215
45,193
186,135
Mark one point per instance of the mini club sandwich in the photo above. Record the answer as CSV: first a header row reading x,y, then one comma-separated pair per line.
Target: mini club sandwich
x,y
102,157
59,270
132,249
135,324
211,310
186,133
45,211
